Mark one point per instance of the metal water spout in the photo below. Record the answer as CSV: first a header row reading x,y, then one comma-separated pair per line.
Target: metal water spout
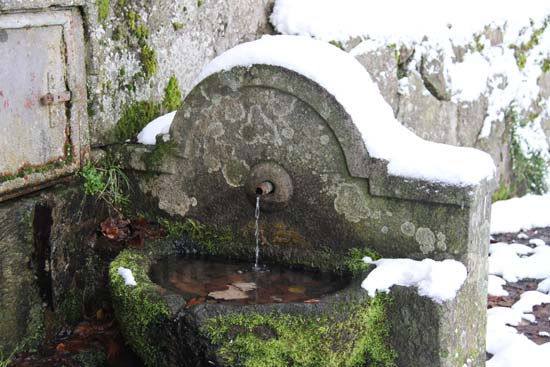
x,y
265,188
272,182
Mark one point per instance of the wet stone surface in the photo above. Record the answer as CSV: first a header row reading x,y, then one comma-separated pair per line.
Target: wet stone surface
x,y
202,280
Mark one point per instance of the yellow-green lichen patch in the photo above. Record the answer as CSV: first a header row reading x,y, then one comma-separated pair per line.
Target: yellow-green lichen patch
x,y
141,312
134,32
353,334
177,25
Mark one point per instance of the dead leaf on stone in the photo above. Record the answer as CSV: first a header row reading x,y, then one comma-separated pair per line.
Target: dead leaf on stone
x,y
194,301
312,300
230,293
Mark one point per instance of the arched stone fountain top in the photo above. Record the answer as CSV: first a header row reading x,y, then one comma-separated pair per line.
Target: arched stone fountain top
x,y
320,75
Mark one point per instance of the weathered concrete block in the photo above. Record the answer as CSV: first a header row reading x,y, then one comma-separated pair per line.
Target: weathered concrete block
x,y
20,301
48,263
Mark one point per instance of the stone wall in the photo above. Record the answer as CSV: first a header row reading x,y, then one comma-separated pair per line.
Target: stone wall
x,y
415,80
133,47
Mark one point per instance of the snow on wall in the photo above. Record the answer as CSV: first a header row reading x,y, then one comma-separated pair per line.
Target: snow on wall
x,y
385,138
438,280
490,49
394,20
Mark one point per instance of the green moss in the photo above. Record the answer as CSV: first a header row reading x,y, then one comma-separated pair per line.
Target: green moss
x,y
172,95
354,262
142,313
208,240
545,67
102,10
134,118
33,339
338,44
199,3
177,25
529,170
72,306
148,61
29,170
502,192
355,334
476,46
161,149
92,358
520,51
137,36
393,47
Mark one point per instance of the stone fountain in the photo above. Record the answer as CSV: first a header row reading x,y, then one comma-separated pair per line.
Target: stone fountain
x,y
332,203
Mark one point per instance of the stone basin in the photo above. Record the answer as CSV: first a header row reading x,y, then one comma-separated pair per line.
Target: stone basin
x,y
330,201
344,327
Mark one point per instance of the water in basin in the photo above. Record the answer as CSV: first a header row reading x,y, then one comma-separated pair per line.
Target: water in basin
x,y
206,280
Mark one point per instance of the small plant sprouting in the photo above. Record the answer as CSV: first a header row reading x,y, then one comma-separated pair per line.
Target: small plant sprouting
x,y
106,181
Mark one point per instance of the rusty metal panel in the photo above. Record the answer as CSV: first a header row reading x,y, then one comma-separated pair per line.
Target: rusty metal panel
x,y
43,122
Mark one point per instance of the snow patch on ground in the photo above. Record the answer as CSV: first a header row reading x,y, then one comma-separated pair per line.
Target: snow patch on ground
x,y
127,275
506,262
544,286
494,287
515,262
347,80
518,214
438,280
159,126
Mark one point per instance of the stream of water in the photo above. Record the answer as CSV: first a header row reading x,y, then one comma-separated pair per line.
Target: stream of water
x,y
257,233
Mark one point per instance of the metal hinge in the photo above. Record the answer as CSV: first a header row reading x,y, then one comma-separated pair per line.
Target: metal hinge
x,y
49,98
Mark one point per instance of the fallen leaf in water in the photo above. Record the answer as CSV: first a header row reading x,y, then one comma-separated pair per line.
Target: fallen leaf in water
x,y
311,300
245,287
73,346
298,289
60,348
230,293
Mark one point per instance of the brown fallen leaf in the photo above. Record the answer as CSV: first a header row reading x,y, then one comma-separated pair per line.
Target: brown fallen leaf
x,y
194,301
113,349
312,300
